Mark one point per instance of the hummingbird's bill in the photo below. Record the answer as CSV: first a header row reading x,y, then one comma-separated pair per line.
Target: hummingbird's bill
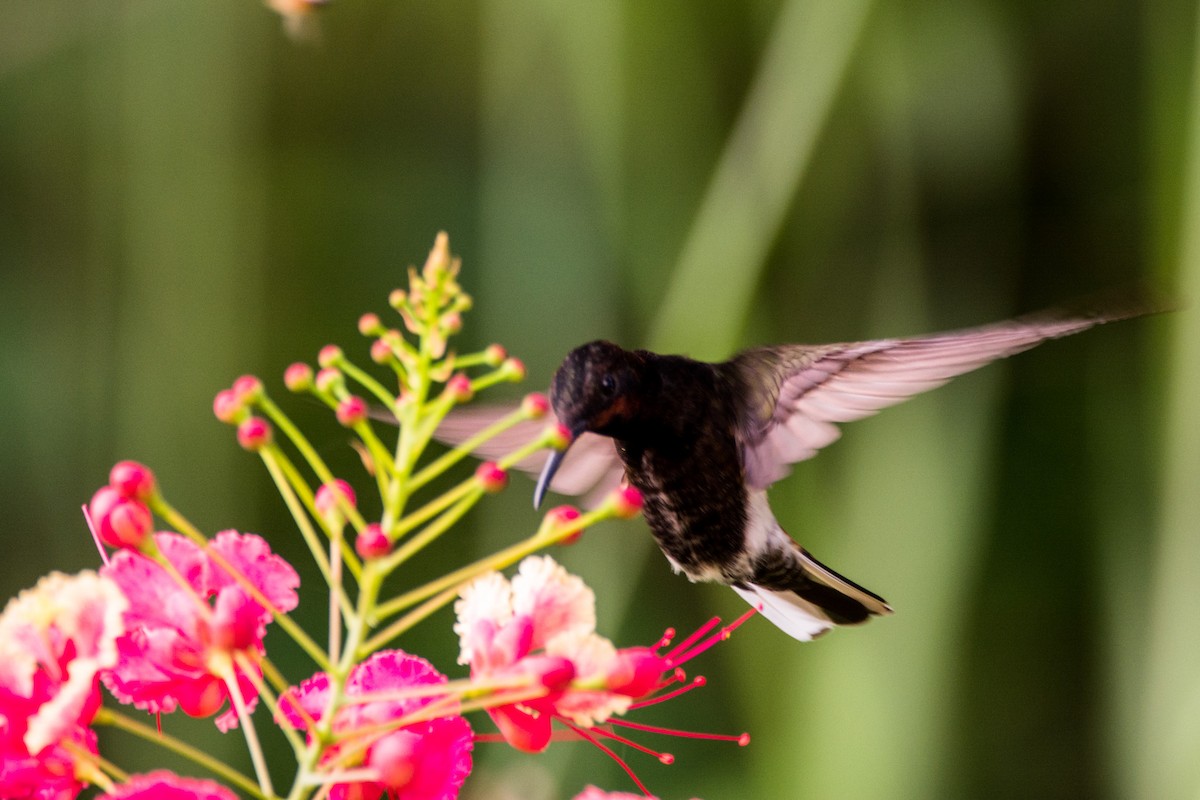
x,y
552,465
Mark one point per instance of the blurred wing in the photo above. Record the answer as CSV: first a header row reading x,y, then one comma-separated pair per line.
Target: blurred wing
x,y
591,468
803,391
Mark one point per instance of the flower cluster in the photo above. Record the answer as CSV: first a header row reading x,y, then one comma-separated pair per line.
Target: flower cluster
x,y
177,619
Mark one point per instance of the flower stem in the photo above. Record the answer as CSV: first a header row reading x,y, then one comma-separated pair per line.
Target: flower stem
x,y
115,719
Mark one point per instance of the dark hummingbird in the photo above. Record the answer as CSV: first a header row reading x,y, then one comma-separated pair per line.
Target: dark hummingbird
x,y
703,442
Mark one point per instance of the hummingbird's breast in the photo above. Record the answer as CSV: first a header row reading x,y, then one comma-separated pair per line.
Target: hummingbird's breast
x,y
686,460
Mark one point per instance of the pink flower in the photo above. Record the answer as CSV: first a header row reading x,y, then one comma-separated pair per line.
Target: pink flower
x,y
539,633
427,759
164,785
54,640
178,650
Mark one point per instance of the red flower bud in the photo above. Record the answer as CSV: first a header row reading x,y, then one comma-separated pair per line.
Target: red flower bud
x,y
372,542
494,355
120,521
132,480
326,501
558,437
535,405
330,355
369,325
327,379
459,388
381,352
227,407
491,477
254,434
563,515
351,411
514,369
248,388
298,377
626,501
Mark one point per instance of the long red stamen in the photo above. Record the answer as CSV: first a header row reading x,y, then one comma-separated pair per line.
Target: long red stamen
x,y
665,758
696,683
716,638
609,752
689,641
742,739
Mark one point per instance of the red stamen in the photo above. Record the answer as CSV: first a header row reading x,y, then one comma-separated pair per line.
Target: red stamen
x,y
696,683
667,636
716,638
608,751
664,758
689,641
742,739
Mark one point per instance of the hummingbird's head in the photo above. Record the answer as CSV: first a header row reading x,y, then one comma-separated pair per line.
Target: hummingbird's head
x,y
595,389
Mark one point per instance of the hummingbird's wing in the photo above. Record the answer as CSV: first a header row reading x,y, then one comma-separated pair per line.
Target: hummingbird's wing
x,y
799,392
591,468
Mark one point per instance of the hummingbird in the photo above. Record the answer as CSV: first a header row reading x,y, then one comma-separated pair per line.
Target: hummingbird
x,y
703,442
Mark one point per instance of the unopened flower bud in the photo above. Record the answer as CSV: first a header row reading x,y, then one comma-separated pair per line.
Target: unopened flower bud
x,y
326,500
494,355
535,405
513,369
626,501
369,324
328,379
120,521
351,411
491,477
248,389
330,355
381,352
372,542
452,323
459,388
564,515
227,407
397,299
132,480
298,377
254,433
558,437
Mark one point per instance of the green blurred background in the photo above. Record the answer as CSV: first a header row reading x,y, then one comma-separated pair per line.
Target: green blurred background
x,y
187,194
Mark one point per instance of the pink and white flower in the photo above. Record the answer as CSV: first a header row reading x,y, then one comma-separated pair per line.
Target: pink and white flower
x,y
54,641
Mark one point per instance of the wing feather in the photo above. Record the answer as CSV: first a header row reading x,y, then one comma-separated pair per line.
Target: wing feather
x,y
800,392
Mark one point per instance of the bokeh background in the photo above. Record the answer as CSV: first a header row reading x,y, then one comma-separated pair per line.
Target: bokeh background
x,y
188,194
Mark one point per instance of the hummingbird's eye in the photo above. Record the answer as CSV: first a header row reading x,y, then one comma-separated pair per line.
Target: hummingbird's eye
x,y
608,385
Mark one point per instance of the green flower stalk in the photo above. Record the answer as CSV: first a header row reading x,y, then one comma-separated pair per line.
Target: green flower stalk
x,y
187,613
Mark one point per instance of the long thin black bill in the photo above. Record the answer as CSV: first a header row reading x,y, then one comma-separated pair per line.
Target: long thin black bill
x,y
547,475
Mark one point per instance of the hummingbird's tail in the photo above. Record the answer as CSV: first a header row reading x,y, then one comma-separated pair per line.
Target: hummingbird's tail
x,y
805,598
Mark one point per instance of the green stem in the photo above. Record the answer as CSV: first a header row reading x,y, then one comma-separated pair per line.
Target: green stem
x,y
304,524
545,537
115,719
432,531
